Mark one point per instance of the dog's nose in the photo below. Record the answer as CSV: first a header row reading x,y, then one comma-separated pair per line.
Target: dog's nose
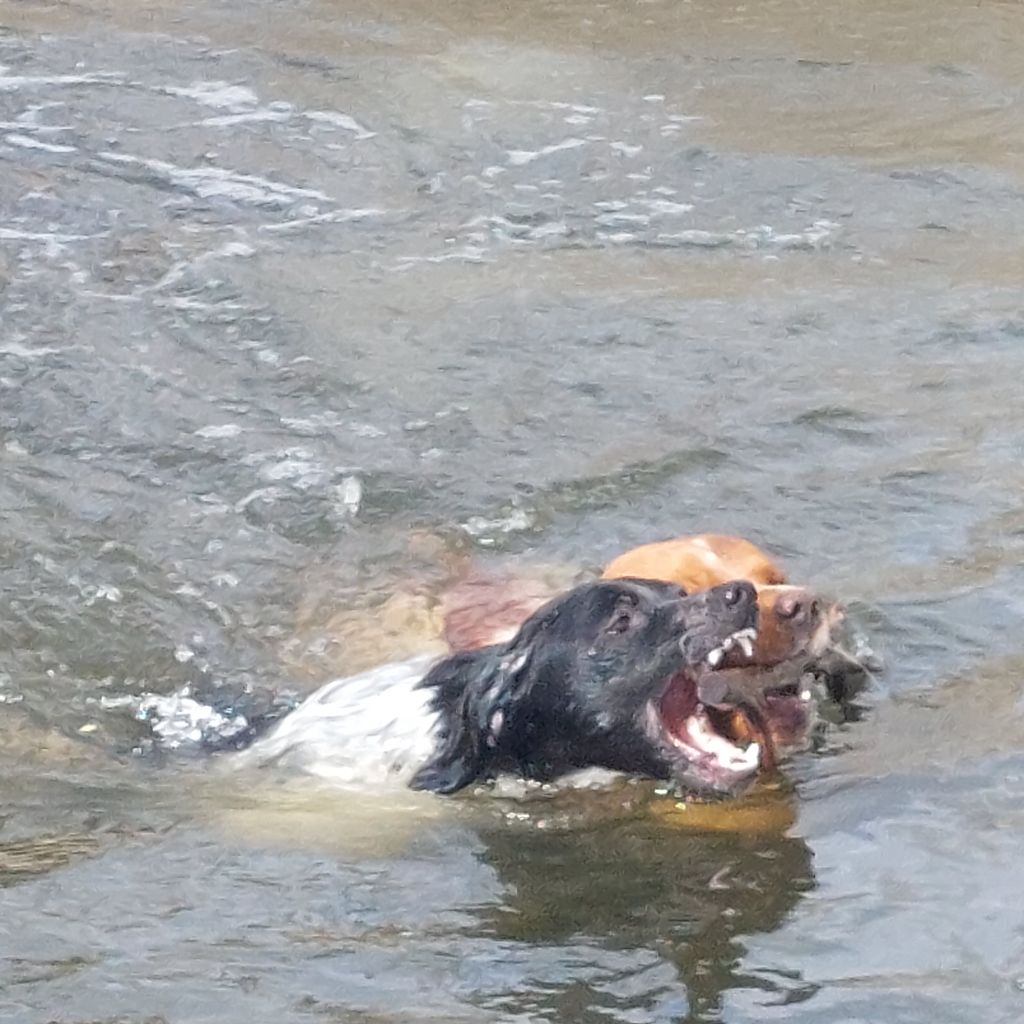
x,y
797,606
738,593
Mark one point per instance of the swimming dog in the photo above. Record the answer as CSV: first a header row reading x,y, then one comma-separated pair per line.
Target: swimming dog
x,y
606,676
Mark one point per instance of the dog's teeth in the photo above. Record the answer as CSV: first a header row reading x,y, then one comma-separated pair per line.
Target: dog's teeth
x,y
727,643
746,646
752,755
805,695
714,659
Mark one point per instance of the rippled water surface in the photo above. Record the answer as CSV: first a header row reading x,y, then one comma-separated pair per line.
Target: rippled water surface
x,y
302,301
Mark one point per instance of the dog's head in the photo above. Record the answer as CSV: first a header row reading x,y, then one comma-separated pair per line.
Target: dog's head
x,y
758,693
793,622
606,675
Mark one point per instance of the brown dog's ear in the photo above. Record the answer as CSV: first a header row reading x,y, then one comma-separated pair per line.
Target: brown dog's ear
x,y
476,692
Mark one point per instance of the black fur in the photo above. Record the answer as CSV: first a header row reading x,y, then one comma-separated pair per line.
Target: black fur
x,y
571,689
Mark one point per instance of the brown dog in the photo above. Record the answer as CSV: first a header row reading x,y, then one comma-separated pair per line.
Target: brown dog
x,y
792,621
762,696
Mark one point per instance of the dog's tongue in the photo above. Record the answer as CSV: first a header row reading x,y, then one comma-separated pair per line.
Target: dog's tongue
x,y
718,752
679,701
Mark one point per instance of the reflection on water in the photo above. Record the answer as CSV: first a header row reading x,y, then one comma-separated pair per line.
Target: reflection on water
x,y
668,902
301,303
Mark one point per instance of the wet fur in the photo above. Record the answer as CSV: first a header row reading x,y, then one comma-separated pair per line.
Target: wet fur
x,y
569,691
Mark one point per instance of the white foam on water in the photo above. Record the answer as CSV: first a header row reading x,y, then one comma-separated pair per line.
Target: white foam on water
x,y
210,182
222,95
521,157
12,83
219,430
339,120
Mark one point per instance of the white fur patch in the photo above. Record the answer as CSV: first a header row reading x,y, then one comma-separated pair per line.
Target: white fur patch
x,y
371,729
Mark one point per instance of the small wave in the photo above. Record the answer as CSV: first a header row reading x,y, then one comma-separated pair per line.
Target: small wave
x,y
180,721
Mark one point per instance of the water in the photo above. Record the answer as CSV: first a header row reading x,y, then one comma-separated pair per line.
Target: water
x,y
302,302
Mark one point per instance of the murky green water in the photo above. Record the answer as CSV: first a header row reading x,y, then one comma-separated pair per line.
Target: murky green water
x,y
297,296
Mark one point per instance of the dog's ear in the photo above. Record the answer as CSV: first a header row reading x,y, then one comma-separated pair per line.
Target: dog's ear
x,y
476,692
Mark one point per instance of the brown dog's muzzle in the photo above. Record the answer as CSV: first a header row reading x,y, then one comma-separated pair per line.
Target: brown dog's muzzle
x,y
791,621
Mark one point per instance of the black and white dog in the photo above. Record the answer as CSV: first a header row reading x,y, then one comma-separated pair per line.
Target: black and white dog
x,y
606,676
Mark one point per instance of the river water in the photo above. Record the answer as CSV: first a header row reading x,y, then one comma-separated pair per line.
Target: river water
x,y
298,299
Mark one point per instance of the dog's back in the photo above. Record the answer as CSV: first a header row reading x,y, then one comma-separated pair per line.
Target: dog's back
x,y
369,729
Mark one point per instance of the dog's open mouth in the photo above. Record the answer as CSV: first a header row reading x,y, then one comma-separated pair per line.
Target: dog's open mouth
x,y
717,747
